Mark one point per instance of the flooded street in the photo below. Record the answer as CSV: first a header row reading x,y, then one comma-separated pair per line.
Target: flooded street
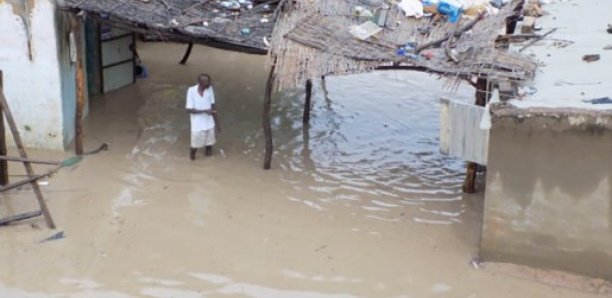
x,y
359,205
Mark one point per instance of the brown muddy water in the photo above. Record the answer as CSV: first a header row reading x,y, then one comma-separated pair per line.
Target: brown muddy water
x,y
361,205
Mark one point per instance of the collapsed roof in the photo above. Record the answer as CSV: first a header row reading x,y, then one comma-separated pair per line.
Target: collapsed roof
x,y
312,39
307,39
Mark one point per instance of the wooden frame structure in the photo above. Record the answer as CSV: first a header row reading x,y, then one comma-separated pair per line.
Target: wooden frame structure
x,y
32,177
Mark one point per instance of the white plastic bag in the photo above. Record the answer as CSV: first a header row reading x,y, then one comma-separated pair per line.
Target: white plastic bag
x,y
485,121
412,8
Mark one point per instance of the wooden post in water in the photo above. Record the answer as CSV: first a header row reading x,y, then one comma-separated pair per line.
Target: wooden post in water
x,y
482,96
187,54
267,125
325,92
80,85
29,170
307,104
4,178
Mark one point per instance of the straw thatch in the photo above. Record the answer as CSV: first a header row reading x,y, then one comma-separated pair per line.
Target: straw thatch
x,y
199,21
312,39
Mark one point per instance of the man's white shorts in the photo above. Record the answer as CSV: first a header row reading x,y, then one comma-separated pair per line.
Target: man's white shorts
x,y
203,138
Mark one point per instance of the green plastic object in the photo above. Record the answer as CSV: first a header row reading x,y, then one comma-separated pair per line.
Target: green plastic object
x,y
69,162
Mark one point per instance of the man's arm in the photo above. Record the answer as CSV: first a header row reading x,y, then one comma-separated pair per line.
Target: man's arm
x,y
214,110
194,111
216,118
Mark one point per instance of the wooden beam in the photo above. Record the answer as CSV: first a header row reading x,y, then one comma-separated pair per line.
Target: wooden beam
x,y
267,125
80,85
187,54
457,33
307,102
4,177
482,96
28,180
18,217
28,167
325,92
512,20
19,159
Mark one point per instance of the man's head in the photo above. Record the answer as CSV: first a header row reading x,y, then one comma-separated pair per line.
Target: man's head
x,y
204,81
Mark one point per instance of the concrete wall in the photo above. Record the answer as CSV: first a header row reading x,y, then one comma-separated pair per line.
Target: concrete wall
x,y
40,90
548,200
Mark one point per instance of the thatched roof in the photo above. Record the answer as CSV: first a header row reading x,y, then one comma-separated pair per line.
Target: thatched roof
x,y
200,21
312,39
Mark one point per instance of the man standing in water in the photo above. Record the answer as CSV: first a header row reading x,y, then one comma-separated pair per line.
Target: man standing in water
x,y
204,121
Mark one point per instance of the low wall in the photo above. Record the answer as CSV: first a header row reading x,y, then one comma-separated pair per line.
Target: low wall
x,y
548,200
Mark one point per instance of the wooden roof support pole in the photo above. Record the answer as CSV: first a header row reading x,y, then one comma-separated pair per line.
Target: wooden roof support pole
x,y
325,92
512,20
267,125
28,166
482,96
307,103
187,54
4,177
80,85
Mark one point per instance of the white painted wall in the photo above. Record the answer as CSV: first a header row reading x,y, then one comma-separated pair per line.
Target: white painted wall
x,y
33,88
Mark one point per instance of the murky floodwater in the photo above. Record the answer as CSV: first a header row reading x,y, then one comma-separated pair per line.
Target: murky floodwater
x,y
359,205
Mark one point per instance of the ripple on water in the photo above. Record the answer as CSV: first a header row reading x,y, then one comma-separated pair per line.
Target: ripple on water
x,y
374,147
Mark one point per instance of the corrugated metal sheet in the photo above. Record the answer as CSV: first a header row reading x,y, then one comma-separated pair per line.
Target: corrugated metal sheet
x,y
117,62
117,50
118,76
460,132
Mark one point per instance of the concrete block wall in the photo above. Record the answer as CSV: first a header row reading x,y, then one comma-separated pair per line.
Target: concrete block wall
x,y
548,200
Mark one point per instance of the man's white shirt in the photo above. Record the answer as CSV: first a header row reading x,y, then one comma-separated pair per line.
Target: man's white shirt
x,y
203,121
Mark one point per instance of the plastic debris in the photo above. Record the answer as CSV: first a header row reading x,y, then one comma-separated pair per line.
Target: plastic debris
x,y
56,236
476,263
234,5
409,47
365,30
452,8
381,16
485,121
245,31
372,2
476,7
591,57
497,3
411,8
220,20
362,14
599,101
